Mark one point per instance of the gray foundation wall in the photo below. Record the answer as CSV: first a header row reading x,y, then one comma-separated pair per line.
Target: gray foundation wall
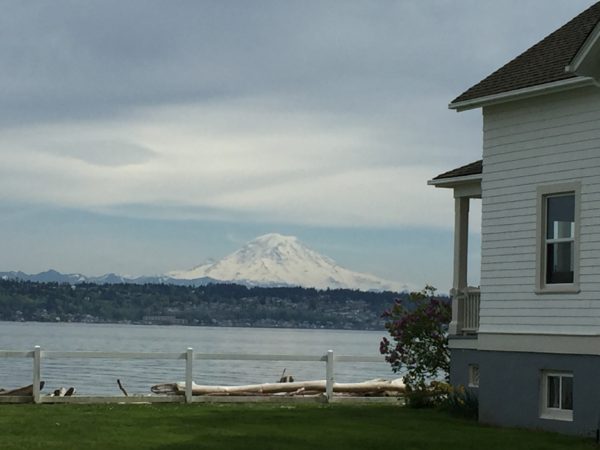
x,y
509,388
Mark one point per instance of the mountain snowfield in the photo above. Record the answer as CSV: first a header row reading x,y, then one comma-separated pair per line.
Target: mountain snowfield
x,y
277,260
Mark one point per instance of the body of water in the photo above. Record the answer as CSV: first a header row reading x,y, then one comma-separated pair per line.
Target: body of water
x,y
99,376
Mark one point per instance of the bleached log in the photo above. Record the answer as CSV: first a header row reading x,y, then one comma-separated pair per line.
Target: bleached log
x,y
376,386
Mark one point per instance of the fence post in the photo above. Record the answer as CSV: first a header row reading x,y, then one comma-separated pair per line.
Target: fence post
x,y
189,367
329,376
37,373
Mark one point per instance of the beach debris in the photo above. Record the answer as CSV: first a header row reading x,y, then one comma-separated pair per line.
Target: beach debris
x,y
63,392
286,378
122,388
373,387
60,392
22,391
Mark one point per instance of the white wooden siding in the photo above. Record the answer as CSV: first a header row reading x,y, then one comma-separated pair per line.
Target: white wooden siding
x,y
547,140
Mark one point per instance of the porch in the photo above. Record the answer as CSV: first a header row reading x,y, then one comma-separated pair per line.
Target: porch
x,y
466,185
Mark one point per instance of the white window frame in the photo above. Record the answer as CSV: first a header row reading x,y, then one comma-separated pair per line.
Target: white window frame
x,y
473,376
554,413
543,192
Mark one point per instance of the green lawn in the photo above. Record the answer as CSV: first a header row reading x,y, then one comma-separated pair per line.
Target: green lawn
x,y
254,426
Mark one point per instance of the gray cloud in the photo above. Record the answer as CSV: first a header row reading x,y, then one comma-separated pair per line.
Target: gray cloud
x,y
250,108
69,60
102,152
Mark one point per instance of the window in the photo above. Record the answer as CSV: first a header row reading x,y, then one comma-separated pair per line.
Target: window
x,y
557,395
558,211
473,375
560,238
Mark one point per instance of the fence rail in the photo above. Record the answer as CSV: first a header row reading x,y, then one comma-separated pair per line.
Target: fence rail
x,y
189,356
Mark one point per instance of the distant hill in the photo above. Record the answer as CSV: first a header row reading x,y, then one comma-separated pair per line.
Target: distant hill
x,y
210,305
52,276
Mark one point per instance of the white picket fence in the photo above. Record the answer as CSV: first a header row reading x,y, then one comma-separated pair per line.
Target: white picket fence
x,y
189,356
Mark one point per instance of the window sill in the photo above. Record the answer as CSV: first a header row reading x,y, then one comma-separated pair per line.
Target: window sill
x,y
565,289
565,416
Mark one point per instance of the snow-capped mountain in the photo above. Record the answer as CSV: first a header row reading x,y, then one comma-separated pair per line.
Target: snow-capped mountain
x,y
49,276
276,260
269,260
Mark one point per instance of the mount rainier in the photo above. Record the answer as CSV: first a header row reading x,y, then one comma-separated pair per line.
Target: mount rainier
x,y
271,260
277,260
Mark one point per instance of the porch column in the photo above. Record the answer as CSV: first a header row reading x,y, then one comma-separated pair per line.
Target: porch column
x,y
461,243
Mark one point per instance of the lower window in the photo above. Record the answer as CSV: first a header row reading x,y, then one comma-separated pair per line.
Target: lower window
x,y
557,395
473,375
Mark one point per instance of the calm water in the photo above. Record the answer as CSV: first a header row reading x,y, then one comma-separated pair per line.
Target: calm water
x,y
99,376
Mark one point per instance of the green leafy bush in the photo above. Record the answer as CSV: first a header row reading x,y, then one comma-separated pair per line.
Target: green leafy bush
x,y
457,400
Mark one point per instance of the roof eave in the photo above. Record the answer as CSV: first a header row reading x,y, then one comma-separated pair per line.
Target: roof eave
x,y
588,50
519,94
451,182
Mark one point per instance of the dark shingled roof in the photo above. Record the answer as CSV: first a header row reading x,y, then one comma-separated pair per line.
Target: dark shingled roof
x,y
475,168
543,63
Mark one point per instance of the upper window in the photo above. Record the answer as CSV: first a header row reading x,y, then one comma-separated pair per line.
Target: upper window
x,y
560,238
558,212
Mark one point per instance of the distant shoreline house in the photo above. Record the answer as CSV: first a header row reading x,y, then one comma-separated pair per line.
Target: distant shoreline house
x,y
528,340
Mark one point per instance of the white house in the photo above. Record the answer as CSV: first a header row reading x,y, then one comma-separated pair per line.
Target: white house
x,y
528,339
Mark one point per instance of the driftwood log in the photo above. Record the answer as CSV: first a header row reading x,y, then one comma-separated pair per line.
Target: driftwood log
x,y
22,391
371,387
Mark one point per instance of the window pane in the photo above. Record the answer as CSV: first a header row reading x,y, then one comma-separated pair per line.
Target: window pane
x,y
553,392
560,213
473,375
559,264
567,393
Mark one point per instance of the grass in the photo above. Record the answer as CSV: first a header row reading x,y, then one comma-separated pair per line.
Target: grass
x,y
256,426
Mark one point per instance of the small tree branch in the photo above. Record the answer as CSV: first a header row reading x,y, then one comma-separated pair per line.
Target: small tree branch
x,y
122,388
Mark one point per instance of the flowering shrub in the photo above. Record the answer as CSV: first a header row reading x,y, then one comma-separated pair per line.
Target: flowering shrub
x,y
419,341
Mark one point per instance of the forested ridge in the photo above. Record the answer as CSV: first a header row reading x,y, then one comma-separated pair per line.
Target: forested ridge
x,y
214,305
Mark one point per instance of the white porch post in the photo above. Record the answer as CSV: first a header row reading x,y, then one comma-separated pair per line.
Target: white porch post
x,y
461,243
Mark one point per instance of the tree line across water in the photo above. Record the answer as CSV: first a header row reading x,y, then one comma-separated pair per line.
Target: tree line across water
x,y
213,305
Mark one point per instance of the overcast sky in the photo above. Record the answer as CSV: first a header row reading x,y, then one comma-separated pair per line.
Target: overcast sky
x,y
140,137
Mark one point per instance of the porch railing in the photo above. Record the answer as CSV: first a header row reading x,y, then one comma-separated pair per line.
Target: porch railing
x,y
469,299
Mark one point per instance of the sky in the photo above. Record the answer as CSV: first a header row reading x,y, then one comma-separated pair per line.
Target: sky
x,y
141,137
